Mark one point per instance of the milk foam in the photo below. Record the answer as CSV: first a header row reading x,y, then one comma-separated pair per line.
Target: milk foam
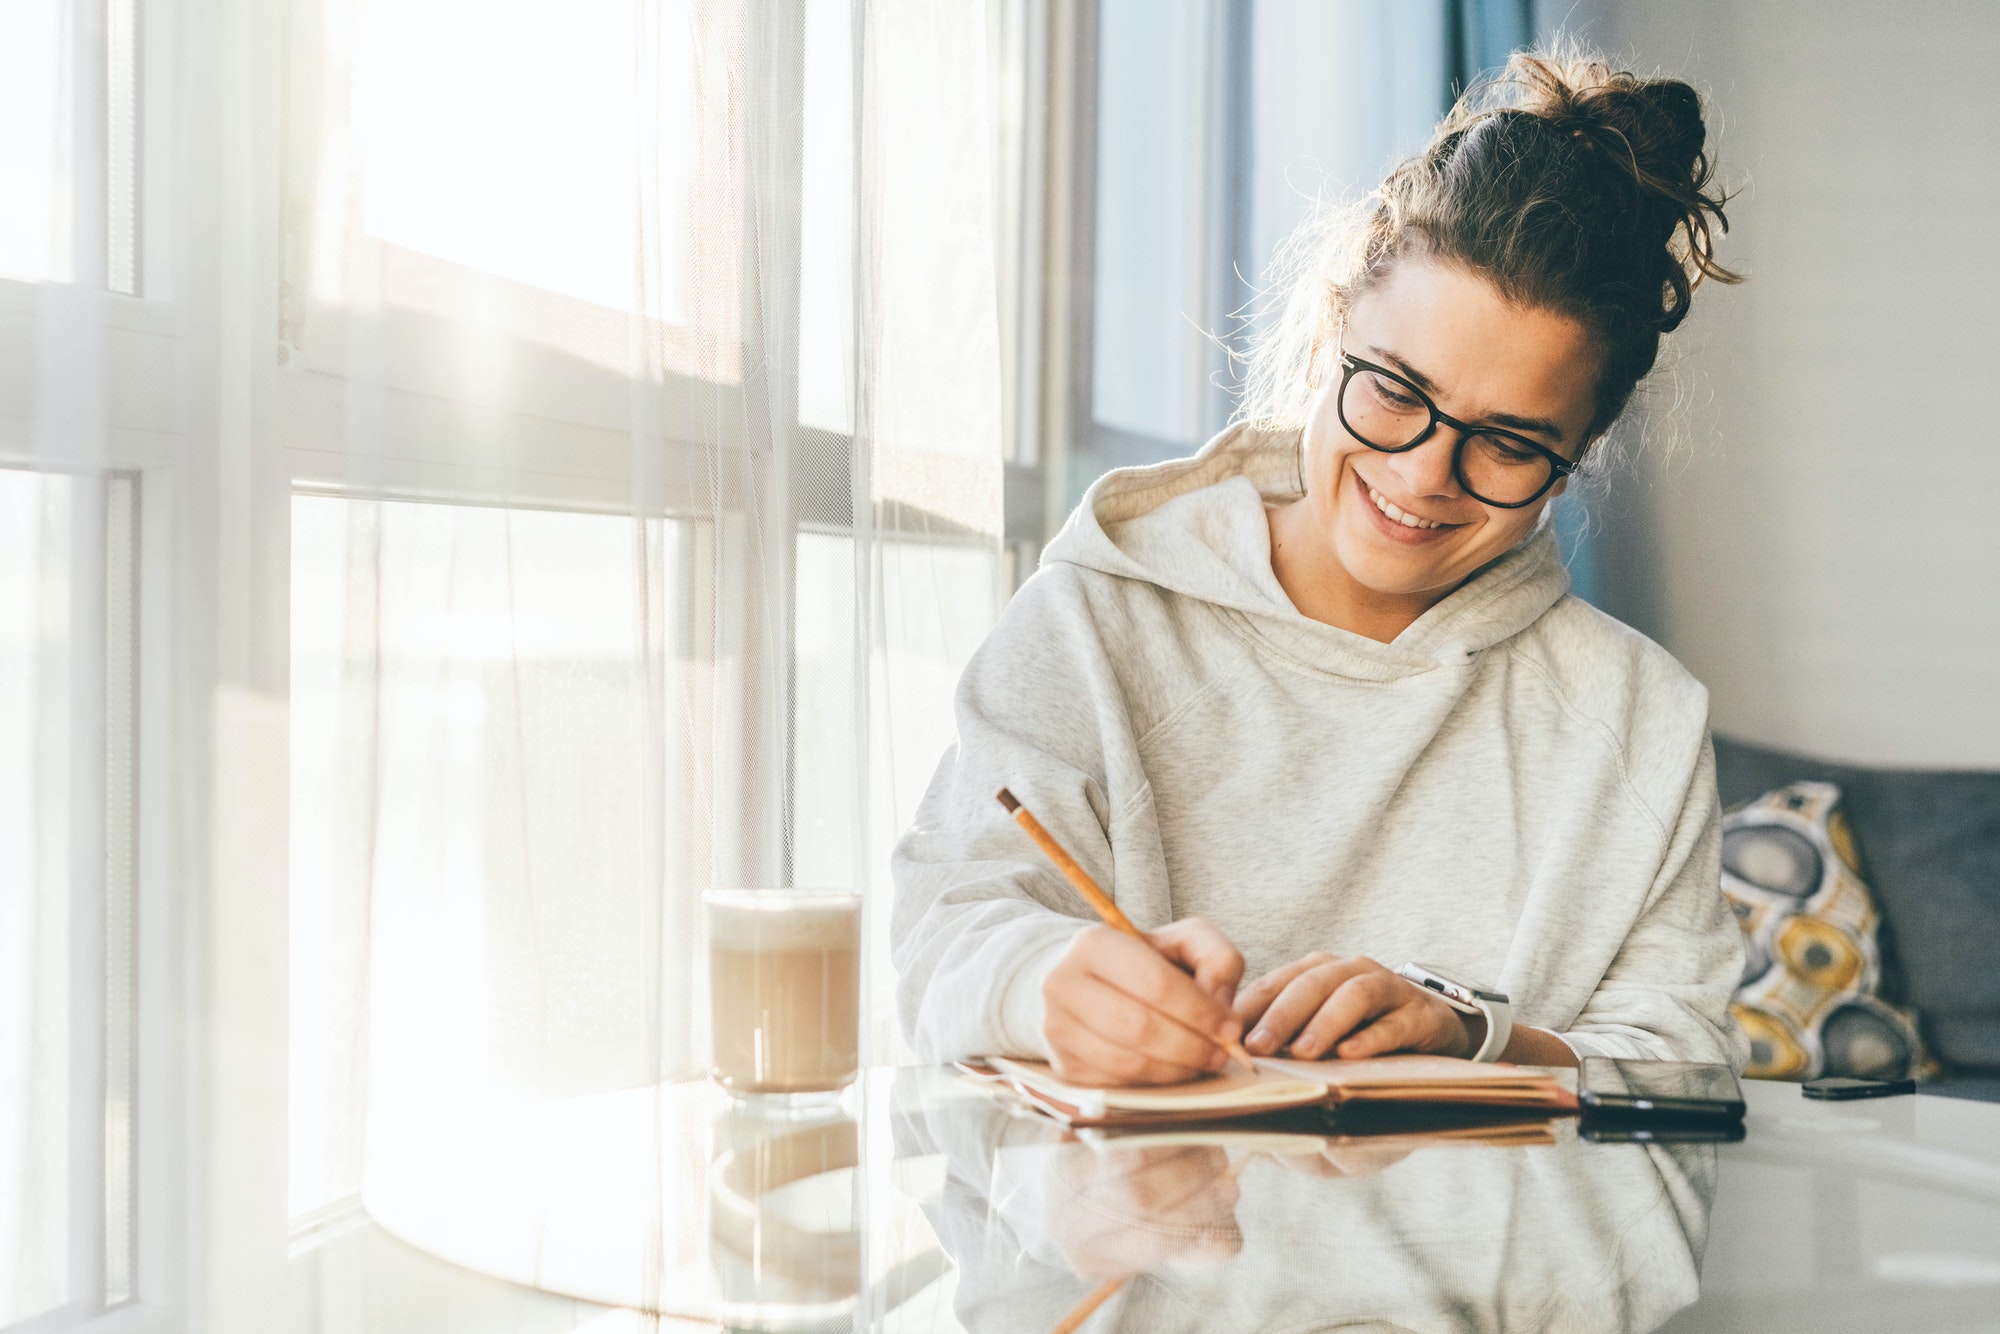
x,y
783,919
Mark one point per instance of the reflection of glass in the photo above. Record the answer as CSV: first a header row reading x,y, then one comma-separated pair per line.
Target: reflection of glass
x,y
784,1234
784,972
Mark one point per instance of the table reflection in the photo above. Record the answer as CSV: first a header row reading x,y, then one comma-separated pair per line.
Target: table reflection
x,y
1220,1231
786,1237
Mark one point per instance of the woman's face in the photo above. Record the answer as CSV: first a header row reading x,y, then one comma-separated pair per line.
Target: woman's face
x,y
1483,360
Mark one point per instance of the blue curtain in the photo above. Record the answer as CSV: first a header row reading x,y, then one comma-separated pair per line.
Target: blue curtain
x,y
1480,35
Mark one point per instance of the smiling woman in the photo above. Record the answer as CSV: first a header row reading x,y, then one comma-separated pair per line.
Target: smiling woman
x,y
1322,684
1388,525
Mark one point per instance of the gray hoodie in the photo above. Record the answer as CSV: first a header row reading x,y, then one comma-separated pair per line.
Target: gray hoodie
x,y
1518,789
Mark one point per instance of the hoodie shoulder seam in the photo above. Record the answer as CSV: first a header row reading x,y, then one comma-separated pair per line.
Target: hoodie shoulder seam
x,y
1609,738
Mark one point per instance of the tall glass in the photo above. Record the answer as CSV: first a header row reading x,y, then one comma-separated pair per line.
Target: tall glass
x,y
784,969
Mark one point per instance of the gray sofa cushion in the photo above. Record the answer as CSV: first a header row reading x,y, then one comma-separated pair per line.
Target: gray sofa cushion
x,y
1930,849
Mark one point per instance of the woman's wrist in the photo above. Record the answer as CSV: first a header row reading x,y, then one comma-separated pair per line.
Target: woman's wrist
x,y
1525,1046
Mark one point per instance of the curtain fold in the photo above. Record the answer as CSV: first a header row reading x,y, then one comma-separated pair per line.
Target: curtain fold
x,y
615,577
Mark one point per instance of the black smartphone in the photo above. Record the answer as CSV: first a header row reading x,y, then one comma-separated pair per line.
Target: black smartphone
x,y
1839,1088
1658,1088
1626,1128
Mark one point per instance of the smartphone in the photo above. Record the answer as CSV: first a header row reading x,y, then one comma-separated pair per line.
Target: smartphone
x,y
1839,1088
1658,1088
1629,1129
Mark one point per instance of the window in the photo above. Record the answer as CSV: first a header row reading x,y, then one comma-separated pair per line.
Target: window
x,y
70,149
581,622
469,772
68,891
1214,125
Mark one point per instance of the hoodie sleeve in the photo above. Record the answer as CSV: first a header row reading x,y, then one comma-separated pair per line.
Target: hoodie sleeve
x,y
980,916
1666,994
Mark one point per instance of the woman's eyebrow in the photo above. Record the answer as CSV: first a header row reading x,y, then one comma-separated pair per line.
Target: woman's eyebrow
x,y
1512,421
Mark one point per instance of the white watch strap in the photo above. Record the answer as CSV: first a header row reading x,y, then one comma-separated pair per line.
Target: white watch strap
x,y
1499,1028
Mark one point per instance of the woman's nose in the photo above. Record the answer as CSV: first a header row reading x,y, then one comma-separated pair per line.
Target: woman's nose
x,y
1426,470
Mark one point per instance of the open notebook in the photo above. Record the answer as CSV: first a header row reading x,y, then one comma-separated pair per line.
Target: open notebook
x,y
1277,1084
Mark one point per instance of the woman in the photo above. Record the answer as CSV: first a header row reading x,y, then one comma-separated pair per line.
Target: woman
x,y
1314,702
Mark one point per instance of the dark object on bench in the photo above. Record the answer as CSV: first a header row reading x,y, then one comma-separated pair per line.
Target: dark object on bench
x,y
1930,849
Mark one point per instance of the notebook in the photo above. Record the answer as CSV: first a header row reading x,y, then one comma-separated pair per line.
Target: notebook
x,y
1275,1084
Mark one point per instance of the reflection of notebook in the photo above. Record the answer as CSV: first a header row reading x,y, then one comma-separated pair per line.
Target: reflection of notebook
x,y
1277,1084
1486,1128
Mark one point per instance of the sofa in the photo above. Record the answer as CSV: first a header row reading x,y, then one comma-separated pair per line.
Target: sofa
x,y
1929,843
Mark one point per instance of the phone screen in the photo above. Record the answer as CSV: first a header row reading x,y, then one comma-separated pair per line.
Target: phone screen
x,y
1667,1085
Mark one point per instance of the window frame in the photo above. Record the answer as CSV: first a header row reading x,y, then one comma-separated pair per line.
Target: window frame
x,y
124,1032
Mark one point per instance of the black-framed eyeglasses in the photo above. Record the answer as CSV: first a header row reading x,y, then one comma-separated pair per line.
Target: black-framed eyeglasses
x,y
1387,413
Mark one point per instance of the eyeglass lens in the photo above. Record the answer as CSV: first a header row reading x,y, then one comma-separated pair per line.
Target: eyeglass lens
x,y
1388,415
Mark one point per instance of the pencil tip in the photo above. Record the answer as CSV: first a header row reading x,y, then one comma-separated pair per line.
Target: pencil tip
x,y
1007,800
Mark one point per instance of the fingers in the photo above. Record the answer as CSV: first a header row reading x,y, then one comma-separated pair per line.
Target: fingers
x,y
1360,1160
1254,999
1136,968
1199,947
1364,997
1397,1029
1298,1002
1186,1180
1141,1206
1099,1035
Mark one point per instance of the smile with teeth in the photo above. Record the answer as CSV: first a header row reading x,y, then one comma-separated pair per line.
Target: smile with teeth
x,y
1403,517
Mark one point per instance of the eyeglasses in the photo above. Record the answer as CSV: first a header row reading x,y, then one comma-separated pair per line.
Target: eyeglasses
x,y
1390,415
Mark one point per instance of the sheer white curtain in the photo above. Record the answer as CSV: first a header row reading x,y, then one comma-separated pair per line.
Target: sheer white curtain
x,y
643,396
475,475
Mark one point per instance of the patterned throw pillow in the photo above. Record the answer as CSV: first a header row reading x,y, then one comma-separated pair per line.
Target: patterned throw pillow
x,y
1811,968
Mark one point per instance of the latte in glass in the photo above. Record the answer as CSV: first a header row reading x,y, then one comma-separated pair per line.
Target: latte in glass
x,y
784,969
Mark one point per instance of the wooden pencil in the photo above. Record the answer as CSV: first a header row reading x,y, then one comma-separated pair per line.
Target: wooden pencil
x,y
1088,1306
1092,892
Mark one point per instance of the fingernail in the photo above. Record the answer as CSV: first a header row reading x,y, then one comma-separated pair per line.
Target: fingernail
x,y
1259,1038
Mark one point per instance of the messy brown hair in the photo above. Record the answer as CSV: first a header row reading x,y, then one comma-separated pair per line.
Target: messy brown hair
x,y
1572,186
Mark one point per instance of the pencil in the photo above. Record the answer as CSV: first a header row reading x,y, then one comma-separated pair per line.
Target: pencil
x,y
1088,1306
1092,892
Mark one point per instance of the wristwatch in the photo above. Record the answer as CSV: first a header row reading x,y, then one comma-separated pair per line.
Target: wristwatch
x,y
1469,998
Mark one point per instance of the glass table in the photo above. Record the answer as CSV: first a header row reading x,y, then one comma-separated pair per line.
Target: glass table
x,y
924,1204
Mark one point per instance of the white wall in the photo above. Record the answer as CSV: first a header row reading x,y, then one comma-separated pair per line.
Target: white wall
x,y
1824,548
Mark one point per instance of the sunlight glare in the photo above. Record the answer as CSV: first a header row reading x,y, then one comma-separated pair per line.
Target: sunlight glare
x,y
504,136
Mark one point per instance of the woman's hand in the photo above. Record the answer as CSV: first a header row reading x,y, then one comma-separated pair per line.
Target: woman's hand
x,y
1120,1010
1120,1211
1322,1005
1344,1160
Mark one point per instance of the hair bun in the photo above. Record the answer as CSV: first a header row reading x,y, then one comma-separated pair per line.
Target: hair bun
x,y
1652,139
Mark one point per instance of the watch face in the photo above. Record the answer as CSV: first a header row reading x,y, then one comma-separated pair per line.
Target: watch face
x,y
1427,975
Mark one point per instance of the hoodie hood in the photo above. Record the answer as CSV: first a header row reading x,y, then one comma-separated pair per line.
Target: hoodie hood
x,y
1197,527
